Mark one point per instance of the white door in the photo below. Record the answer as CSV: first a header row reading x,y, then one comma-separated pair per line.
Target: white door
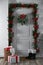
x,y
23,38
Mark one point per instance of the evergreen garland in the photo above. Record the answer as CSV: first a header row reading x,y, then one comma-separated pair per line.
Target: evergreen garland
x,y
35,23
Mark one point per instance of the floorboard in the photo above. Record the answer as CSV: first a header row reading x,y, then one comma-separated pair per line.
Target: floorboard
x,y
27,62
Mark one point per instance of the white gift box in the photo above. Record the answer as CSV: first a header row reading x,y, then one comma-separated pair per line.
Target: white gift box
x,y
31,50
13,59
12,51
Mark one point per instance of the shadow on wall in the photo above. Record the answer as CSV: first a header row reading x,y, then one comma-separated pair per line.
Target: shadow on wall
x,y
40,45
40,41
41,37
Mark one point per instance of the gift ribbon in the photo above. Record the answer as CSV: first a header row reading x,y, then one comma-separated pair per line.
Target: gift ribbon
x,y
8,48
16,59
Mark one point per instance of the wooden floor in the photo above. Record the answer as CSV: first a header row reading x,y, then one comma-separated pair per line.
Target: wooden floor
x,y
27,62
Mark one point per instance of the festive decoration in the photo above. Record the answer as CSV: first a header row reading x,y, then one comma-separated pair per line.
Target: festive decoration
x,y
23,20
13,59
35,19
36,26
22,16
37,50
7,52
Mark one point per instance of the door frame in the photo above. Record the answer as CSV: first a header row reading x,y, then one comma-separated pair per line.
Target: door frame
x,y
35,23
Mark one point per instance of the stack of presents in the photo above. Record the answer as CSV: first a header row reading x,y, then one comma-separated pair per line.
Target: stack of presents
x,y
10,56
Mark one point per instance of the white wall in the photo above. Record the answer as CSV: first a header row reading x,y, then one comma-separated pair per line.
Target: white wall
x,y
40,20
3,26
24,1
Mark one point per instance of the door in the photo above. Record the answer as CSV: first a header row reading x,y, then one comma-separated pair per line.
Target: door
x,y
22,40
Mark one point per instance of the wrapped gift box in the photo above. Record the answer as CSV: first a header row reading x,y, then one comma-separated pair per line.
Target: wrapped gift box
x,y
13,59
7,52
